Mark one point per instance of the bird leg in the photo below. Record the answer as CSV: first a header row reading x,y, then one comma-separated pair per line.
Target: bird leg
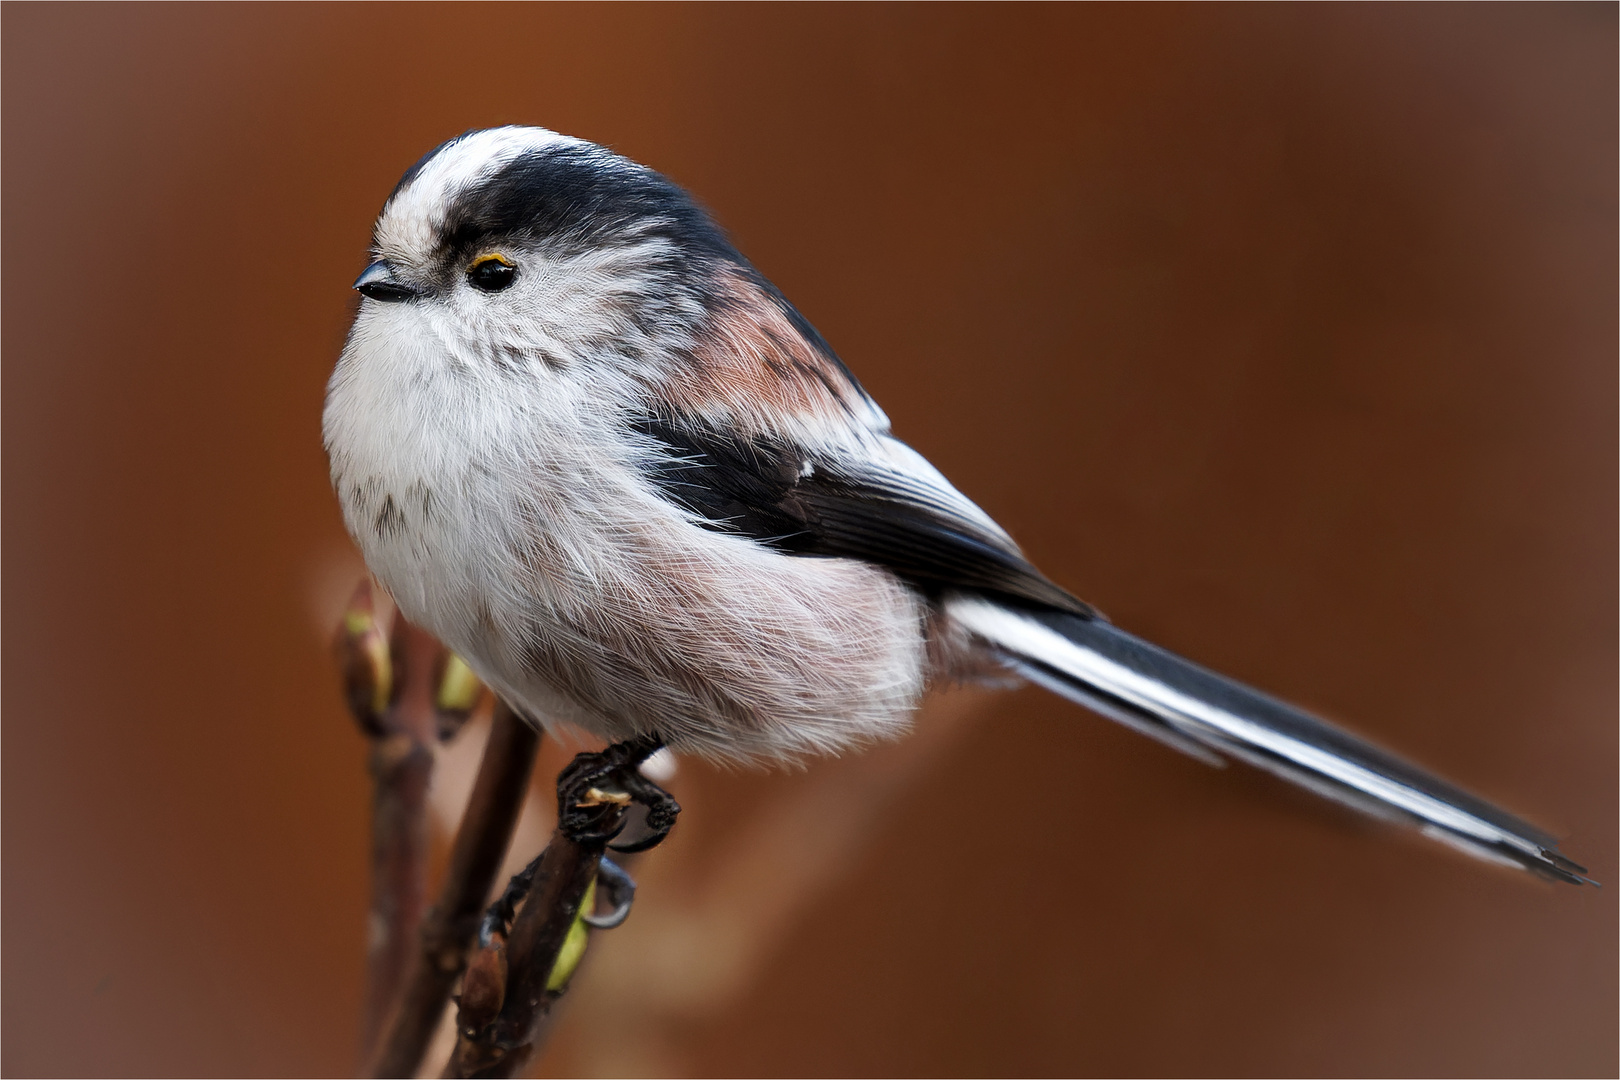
x,y
596,789
497,918
613,885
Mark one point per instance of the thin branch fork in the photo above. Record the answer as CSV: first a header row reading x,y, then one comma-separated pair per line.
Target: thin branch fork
x,y
475,860
405,690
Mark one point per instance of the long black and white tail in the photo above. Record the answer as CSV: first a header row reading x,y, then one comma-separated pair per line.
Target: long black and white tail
x,y
1212,717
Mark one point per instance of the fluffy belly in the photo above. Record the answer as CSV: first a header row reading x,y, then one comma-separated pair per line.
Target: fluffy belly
x,y
763,655
648,623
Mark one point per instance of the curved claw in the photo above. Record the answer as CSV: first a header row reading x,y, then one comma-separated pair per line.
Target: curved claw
x,y
662,810
661,813
620,889
646,843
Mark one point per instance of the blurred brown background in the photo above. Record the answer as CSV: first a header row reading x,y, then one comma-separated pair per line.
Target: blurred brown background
x,y
1285,334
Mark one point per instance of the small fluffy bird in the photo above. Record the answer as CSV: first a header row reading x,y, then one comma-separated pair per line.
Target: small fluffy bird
x,y
585,443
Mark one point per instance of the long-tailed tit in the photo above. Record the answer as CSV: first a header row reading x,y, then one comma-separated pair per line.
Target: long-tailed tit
x,y
585,443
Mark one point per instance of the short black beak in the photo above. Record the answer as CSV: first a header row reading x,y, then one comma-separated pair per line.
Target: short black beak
x,y
379,283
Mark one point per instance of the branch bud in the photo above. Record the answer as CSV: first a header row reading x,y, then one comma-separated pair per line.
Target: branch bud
x,y
364,661
456,694
483,987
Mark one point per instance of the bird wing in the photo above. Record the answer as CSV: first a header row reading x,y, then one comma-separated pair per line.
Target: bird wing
x,y
887,507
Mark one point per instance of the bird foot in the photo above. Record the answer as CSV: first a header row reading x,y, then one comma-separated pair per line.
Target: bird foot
x,y
596,789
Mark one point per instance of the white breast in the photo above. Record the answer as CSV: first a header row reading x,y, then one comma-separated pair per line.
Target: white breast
x,y
502,506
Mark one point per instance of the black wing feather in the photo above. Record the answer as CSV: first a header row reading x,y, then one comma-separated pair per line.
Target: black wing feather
x,y
787,498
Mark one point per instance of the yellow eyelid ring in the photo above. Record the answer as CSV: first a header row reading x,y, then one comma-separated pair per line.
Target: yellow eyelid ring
x,y
491,273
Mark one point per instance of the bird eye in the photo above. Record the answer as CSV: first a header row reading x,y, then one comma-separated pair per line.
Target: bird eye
x,y
491,273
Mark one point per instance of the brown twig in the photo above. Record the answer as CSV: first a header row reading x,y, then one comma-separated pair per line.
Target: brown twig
x,y
475,860
389,677
524,986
